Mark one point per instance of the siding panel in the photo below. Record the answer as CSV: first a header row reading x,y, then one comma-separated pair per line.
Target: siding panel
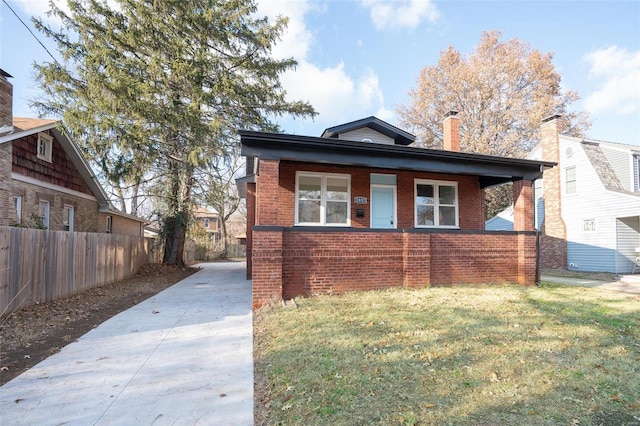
x,y
628,238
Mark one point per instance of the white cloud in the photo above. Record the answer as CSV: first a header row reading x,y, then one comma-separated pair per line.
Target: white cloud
x,y
401,13
336,95
40,9
617,72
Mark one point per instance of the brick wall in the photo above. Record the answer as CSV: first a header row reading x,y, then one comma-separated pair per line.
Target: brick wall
x,y
6,102
120,225
6,200
470,196
553,244
85,210
289,262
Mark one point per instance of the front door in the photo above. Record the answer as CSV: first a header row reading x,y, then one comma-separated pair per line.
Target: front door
x,y
382,207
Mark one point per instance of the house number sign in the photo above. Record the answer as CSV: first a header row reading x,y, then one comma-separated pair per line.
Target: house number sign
x,y
360,200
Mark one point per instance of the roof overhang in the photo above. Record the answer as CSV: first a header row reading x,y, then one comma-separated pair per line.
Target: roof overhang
x,y
491,170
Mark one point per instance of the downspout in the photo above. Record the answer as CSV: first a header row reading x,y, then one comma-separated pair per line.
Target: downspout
x,y
535,215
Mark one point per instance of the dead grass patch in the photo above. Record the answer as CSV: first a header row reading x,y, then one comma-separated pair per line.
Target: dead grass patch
x,y
466,355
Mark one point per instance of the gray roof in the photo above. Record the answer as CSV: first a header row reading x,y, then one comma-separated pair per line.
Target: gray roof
x,y
603,168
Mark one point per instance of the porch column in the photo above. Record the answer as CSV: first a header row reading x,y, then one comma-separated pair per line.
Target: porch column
x,y
522,205
251,221
267,206
267,265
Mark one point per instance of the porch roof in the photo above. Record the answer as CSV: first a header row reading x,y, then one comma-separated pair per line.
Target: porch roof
x,y
491,170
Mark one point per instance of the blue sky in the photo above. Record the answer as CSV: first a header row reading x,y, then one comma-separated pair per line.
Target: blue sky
x,y
361,57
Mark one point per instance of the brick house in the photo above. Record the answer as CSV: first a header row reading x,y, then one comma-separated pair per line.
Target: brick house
x,y
45,182
359,209
209,221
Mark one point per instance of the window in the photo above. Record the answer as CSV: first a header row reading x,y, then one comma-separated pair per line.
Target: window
x,y
67,218
45,145
109,229
206,222
636,173
17,206
589,225
43,213
436,197
322,199
570,180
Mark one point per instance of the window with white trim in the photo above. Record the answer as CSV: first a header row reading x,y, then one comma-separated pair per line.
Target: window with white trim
x,y
636,173
109,229
570,180
45,146
323,199
68,217
436,204
17,206
43,212
589,225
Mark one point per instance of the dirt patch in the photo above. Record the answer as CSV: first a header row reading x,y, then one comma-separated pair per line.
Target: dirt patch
x,y
32,334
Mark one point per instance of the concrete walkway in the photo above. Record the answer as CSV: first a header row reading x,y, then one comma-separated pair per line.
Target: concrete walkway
x,y
182,357
627,284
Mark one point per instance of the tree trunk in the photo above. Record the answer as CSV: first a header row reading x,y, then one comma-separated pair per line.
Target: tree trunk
x,y
223,236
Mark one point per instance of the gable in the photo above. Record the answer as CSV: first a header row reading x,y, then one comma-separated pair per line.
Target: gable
x,y
60,171
366,134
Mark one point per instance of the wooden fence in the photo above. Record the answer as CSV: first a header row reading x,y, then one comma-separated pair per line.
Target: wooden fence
x,y
38,266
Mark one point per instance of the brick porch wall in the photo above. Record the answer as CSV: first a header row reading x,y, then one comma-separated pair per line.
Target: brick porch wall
x,y
289,262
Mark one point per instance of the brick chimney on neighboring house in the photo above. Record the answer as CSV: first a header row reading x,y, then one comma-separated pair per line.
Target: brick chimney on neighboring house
x,y
6,127
451,135
6,103
553,239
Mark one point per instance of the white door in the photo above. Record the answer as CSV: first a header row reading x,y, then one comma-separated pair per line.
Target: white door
x,y
382,207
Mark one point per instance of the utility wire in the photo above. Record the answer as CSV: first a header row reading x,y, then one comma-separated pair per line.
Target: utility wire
x,y
31,32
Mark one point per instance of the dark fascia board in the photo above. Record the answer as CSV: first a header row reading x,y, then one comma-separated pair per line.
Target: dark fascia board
x,y
398,135
491,170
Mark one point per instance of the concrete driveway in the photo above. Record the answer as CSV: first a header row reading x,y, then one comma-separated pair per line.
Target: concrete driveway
x,y
182,357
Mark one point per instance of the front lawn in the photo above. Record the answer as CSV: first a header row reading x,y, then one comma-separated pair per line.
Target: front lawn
x,y
504,355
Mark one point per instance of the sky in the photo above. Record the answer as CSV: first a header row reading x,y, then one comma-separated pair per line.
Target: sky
x,y
358,58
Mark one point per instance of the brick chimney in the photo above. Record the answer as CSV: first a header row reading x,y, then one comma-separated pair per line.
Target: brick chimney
x,y
451,136
6,103
553,241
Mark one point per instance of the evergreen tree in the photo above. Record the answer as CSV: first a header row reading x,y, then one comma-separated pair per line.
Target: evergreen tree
x,y
156,89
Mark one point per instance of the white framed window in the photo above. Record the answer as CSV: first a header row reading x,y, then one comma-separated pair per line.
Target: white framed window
x,y
43,212
45,146
570,180
436,204
589,225
636,173
323,199
68,217
17,206
109,228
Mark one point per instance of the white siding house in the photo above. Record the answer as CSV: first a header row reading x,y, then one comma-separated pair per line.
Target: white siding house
x,y
600,203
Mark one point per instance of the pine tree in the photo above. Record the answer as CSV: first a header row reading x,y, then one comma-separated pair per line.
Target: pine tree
x,y
156,89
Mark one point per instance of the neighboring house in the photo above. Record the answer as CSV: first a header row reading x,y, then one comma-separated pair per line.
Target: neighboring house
x,y
588,208
358,209
45,182
503,221
209,221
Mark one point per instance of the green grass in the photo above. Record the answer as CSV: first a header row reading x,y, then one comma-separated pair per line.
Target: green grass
x,y
465,355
